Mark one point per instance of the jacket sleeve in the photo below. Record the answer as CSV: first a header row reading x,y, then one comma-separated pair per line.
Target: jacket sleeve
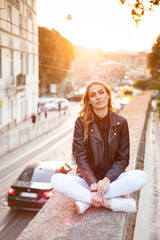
x,y
122,155
81,154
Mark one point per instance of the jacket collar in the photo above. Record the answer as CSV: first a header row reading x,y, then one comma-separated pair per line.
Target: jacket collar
x,y
114,121
114,118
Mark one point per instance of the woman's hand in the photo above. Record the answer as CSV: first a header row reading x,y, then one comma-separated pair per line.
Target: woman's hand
x,y
103,186
95,200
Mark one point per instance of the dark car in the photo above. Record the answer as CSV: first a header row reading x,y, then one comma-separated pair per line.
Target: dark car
x,y
33,188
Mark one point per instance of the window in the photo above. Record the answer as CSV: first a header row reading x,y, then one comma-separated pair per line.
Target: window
x,y
33,4
0,112
12,117
2,5
9,18
11,62
33,64
36,175
26,63
20,25
21,62
33,31
0,63
26,27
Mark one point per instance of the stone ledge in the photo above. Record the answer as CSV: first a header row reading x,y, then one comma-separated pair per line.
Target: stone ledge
x,y
58,218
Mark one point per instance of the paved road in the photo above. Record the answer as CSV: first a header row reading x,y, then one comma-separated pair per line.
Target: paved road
x,y
56,145
148,217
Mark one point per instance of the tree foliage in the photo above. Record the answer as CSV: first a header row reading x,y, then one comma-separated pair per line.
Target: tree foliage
x,y
147,84
153,60
55,56
142,84
138,7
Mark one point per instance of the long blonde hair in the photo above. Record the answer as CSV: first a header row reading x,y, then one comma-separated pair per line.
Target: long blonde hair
x,y
86,112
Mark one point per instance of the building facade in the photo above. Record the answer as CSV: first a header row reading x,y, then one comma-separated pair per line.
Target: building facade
x,y
19,75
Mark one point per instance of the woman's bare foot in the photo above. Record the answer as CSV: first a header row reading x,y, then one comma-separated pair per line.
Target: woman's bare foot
x,y
126,196
106,202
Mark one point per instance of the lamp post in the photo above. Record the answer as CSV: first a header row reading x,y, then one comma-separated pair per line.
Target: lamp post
x,y
68,83
69,17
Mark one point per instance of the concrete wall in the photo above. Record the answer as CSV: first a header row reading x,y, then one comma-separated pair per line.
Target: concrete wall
x,y
58,218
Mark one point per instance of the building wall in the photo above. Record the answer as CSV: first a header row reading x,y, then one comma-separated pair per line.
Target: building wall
x,y
18,59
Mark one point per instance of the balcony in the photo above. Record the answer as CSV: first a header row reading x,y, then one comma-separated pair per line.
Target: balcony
x,y
20,80
10,87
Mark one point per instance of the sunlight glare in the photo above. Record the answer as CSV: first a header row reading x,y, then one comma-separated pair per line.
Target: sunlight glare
x,y
99,23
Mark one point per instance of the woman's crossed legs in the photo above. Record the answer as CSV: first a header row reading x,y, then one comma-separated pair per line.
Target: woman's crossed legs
x,y
77,189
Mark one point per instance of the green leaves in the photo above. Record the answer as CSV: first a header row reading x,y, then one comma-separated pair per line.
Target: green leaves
x,y
55,56
153,60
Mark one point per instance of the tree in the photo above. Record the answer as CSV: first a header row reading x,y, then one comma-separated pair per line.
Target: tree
x,y
142,84
138,7
55,56
147,84
153,60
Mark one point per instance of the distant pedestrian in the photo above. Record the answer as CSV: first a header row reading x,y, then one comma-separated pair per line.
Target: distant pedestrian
x,y
101,150
59,106
39,110
33,117
45,110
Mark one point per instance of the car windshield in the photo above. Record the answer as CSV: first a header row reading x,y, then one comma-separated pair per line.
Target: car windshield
x,y
43,172
36,175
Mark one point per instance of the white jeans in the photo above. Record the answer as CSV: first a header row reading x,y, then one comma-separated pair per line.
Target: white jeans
x,y
76,188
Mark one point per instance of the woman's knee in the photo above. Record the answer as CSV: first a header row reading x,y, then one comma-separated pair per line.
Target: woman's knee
x,y
57,180
141,178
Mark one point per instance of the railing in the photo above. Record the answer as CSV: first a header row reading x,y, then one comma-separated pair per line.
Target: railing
x,y
17,138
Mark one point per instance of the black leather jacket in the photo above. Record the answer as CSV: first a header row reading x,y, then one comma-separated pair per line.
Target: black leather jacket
x,y
89,153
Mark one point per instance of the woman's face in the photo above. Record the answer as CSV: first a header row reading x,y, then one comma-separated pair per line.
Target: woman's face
x,y
98,97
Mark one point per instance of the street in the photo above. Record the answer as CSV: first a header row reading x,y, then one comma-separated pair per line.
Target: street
x,y
148,217
56,145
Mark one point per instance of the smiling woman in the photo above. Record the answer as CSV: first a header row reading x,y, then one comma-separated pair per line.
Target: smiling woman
x,y
99,23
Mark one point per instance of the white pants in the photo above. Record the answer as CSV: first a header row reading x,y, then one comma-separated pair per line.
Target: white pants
x,y
76,188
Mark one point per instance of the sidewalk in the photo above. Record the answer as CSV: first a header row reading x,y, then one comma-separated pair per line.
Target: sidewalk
x,y
148,217
26,131
28,122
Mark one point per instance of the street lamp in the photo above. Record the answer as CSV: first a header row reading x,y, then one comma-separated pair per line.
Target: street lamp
x,y
69,17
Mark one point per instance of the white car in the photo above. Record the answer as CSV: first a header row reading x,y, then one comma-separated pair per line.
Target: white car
x,y
57,104
125,100
44,100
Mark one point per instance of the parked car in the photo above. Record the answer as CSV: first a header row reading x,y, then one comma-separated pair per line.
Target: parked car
x,y
75,97
32,189
124,101
46,99
57,104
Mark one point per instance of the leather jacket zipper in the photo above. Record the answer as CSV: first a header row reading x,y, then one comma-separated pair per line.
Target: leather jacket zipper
x,y
100,141
115,133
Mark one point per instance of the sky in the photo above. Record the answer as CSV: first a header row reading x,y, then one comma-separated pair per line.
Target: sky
x,y
99,23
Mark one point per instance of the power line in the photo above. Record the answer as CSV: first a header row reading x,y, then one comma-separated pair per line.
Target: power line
x,y
57,68
66,59
18,26
48,40
52,41
47,56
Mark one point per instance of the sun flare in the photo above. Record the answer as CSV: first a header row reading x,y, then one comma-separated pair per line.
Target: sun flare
x,y
102,23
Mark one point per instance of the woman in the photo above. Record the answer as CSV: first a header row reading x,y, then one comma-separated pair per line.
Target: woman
x,y
101,150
